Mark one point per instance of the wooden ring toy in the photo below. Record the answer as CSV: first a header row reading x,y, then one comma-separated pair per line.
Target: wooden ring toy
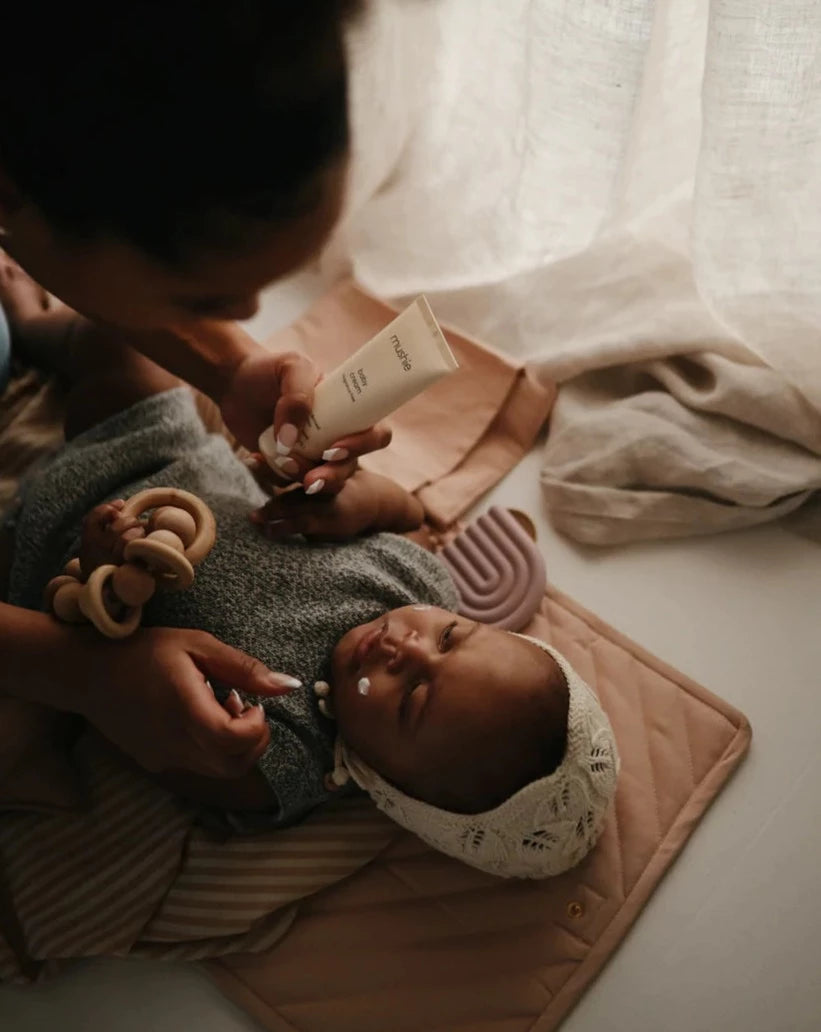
x,y
171,568
181,532
94,609
205,524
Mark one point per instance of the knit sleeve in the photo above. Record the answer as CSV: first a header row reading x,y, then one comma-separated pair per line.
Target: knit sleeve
x,y
294,766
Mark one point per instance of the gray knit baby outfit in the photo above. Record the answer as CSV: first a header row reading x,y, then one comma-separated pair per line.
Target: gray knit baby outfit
x,y
286,603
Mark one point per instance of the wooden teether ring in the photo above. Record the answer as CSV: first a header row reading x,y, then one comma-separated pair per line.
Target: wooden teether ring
x,y
170,566
206,526
93,607
62,598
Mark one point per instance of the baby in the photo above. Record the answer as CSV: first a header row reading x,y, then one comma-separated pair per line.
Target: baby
x,y
488,744
485,743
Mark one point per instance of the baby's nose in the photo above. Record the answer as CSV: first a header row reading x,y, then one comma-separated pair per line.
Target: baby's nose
x,y
403,649
413,653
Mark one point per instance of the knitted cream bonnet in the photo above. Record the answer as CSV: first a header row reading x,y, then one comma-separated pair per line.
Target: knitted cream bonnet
x,y
543,829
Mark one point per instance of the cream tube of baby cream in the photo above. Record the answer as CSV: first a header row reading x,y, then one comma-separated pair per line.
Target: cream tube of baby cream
x,y
398,363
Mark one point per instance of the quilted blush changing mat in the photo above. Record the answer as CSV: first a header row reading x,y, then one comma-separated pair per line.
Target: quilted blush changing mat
x,y
415,942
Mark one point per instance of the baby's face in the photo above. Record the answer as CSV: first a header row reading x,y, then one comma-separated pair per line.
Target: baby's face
x,y
446,699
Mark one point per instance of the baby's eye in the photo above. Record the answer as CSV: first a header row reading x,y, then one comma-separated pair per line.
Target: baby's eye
x,y
446,637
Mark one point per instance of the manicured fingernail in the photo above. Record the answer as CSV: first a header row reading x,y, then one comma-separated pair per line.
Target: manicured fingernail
x,y
315,487
363,686
286,438
284,680
234,703
322,689
287,466
335,454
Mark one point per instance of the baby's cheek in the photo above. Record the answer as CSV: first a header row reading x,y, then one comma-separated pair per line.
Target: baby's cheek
x,y
347,705
363,719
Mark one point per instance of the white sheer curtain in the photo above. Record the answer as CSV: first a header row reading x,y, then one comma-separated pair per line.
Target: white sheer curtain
x,y
594,184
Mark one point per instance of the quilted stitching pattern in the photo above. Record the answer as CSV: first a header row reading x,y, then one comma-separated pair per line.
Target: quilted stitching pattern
x,y
420,943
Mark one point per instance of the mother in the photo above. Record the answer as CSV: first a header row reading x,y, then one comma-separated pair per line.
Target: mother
x,y
160,162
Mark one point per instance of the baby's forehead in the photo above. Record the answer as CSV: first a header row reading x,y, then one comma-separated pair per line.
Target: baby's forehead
x,y
500,654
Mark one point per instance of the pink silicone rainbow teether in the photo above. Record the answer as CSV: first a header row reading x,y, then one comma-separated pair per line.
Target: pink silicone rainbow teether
x,y
498,570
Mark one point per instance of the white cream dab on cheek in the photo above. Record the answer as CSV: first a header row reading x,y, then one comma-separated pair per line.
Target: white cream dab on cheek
x,y
364,686
421,608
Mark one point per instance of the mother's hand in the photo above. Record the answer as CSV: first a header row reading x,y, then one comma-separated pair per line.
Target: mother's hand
x,y
275,388
268,387
254,388
149,695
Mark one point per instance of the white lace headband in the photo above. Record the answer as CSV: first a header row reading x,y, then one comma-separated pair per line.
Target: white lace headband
x,y
543,829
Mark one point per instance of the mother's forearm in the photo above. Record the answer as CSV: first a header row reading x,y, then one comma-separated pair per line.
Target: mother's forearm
x,y
40,659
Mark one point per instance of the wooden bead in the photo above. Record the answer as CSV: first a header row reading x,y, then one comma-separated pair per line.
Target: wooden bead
x,y
178,521
65,604
53,587
167,537
156,497
73,569
132,585
174,571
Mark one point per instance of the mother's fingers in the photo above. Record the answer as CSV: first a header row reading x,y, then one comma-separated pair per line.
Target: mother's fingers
x,y
341,459
269,479
355,445
297,378
329,478
326,479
